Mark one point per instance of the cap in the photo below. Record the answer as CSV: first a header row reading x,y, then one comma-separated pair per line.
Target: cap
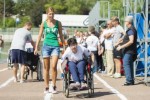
x,y
129,19
91,29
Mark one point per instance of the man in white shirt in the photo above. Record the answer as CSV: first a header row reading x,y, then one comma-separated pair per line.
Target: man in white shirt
x,y
108,35
94,46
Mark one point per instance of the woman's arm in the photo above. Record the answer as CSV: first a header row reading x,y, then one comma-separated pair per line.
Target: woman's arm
x,y
60,34
39,38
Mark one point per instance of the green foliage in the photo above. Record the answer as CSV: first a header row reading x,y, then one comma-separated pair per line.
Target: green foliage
x,y
71,6
23,20
36,12
58,5
9,22
9,4
23,7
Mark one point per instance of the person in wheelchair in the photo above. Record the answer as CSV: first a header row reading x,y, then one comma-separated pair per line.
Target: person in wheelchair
x,y
75,54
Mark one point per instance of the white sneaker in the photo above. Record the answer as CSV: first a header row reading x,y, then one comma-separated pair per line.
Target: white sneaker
x,y
22,81
83,86
46,90
53,89
117,75
77,84
15,80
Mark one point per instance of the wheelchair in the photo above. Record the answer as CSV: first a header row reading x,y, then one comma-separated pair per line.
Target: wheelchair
x,y
33,64
9,62
88,78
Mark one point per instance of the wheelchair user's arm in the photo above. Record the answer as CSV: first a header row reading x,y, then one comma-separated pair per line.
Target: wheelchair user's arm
x,y
92,57
64,63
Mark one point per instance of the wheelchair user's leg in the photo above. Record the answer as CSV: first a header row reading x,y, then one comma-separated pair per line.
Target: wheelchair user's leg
x,y
81,69
73,70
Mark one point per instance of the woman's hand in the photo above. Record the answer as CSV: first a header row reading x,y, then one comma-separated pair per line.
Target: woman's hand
x,y
35,51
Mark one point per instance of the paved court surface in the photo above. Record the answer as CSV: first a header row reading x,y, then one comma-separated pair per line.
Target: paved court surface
x,y
106,88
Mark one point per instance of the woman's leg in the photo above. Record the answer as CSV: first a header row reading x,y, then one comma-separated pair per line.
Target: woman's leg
x,y
46,71
54,61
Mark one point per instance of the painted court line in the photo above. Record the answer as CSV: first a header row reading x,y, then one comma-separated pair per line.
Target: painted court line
x,y
48,96
121,96
3,69
7,82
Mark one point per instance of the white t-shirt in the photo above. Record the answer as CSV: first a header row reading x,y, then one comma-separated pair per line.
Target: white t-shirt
x,y
102,36
20,38
29,47
118,33
92,43
109,41
81,51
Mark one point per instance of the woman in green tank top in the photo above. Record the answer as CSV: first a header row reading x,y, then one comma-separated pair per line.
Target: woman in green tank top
x,y
51,28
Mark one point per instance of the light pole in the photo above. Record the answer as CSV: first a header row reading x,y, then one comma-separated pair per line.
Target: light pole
x,y
4,16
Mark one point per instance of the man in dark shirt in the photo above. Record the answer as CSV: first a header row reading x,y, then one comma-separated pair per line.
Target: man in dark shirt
x,y
128,47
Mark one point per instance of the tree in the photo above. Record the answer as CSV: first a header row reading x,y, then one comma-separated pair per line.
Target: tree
x,y
23,7
9,4
36,12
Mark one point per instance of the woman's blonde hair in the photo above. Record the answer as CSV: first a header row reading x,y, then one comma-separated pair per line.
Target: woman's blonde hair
x,y
49,9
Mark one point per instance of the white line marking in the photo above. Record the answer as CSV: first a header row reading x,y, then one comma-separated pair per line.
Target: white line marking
x,y
3,69
48,96
121,96
7,82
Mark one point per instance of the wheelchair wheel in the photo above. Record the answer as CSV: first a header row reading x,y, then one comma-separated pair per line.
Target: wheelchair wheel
x,y
90,83
26,73
67,84
9,64
39,71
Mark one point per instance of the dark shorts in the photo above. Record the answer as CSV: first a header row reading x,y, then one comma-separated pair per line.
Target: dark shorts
x,y
117,54
18,56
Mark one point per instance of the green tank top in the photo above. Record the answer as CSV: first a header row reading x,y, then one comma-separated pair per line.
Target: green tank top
x,y
50,34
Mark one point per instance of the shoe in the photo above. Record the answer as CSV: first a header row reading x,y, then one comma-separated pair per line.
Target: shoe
x,y
53,89
127,84
83,86
46,90
62,76
117,75
15,81
22,81
75,85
